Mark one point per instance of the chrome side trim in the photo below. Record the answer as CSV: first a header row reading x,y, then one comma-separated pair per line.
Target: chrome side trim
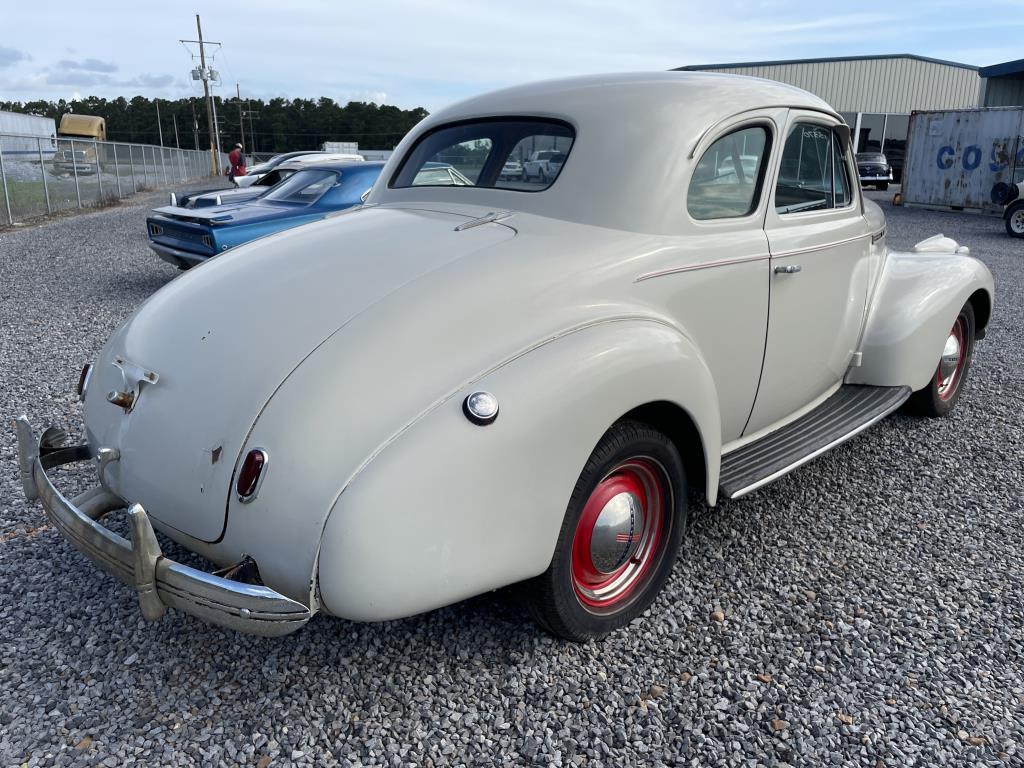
x,y
815,454
701,265
714,125
159,582
821,247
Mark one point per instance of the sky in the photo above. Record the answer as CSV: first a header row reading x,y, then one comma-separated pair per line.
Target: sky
x,y
429,53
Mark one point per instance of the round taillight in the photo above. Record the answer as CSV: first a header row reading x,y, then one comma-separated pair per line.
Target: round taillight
x,y
83,380
251,473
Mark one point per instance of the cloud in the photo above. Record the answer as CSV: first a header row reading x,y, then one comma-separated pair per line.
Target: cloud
x,y
78,79
88,65
152,81
10,56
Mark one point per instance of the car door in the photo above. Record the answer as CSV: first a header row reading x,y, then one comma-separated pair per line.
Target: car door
x,y
714,281
820,263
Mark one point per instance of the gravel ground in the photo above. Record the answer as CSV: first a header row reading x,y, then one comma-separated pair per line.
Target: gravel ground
x,y
866,610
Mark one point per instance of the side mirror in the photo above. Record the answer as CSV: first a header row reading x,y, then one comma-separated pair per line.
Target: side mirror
x,y
365,195
174,199
217,201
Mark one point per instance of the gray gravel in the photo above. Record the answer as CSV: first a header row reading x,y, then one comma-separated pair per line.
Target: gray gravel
x,y
872,603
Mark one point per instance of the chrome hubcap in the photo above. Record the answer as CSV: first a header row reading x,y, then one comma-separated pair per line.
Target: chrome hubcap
x,y
616,532
951,364
1017,222
950,359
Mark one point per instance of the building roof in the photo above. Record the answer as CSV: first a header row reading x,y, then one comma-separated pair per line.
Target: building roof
x,y
823,60
1003,70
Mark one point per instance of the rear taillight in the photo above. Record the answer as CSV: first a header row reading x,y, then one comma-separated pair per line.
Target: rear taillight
x,y
251,473
83,380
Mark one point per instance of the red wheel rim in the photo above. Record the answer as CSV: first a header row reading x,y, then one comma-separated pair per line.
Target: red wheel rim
x,y
951,366
620,536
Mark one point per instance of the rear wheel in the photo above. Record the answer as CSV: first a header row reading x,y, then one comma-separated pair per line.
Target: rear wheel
x,y
944,389
883,185
1015,220
619,539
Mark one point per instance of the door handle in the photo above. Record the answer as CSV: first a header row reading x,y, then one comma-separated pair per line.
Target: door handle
x,y
789,269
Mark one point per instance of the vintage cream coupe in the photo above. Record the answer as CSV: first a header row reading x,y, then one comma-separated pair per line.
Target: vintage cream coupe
x,y
459,387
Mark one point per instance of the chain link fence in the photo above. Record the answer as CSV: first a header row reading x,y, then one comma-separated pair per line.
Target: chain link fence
x,y
40,176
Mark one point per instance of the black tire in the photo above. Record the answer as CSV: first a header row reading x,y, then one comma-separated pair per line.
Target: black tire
x,y
557,599
938,399
1014,218
884,185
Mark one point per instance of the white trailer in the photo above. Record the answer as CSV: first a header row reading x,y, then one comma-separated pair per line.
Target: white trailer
x,y
341,147
24,135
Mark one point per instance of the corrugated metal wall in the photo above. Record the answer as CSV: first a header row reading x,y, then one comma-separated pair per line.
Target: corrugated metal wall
x,y
893,85
1003,92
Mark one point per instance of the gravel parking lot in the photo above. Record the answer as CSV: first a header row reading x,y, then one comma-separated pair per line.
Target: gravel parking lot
x,y
866,610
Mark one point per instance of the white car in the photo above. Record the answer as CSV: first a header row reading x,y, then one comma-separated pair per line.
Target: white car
x,y
257,172
543,165
458,387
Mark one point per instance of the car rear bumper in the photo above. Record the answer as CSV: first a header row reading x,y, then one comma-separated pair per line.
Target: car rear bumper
x,y
176,256
159,581
875,177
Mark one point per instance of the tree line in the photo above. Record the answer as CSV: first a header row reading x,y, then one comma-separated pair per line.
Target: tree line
x,y
277,125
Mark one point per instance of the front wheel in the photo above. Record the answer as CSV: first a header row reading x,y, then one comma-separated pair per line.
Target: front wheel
x,y
619,539
1015,220
944,390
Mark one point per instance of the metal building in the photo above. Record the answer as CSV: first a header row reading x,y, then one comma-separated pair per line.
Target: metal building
x,y
1002,85
874,94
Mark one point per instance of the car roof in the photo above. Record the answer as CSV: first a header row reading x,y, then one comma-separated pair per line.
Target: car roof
x,y
660,116
335,165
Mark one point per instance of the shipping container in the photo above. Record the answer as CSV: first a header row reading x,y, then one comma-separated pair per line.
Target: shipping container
x,y
20,132
955,157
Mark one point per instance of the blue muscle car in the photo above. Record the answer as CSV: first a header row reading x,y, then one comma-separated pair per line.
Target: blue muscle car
x,y
186,237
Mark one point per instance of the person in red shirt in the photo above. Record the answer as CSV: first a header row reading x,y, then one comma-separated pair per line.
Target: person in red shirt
x,y
237,160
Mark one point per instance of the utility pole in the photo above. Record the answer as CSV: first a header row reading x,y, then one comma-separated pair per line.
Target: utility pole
x,y
241,120
195,125
211,109
159,127
177,144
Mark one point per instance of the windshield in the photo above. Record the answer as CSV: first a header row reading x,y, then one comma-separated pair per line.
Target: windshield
x,y
474,154
303,187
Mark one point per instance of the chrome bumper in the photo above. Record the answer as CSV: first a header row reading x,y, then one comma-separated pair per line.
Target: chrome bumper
x,y
139,563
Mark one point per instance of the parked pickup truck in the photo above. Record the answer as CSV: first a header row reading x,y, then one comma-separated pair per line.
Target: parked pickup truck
x,y
543,165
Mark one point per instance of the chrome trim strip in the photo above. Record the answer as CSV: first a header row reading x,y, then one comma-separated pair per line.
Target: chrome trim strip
x,y
159,581
701,265
727,118
815,454
822,247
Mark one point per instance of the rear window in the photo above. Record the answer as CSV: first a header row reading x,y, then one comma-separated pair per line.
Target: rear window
x,y
473,154
303,187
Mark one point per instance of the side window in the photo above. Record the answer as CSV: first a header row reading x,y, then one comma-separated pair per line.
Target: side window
x,y
726,181
813,175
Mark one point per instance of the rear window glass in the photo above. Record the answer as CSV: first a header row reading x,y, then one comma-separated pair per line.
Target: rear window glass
x,y
726,181
473,155
303,187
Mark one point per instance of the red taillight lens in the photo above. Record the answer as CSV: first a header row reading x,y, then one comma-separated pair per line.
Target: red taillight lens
x,y
249,476
83,380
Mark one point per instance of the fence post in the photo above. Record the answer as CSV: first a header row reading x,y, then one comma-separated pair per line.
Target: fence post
x,y
131,163
74,167
145,167
117,171
99,174
3,178
42,172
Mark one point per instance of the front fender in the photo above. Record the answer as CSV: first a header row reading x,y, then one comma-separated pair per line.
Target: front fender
x,y
916,303
447,510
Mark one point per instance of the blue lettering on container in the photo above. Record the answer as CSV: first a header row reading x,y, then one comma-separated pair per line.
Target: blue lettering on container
x,y
972,157
945,159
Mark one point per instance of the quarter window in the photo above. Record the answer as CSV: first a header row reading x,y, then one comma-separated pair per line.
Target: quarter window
x,y
726,181
813,175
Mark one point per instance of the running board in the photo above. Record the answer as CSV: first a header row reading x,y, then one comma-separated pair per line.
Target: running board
x,y
851,410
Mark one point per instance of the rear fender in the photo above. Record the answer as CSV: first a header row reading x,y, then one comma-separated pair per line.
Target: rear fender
x,y
447,509
919,296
